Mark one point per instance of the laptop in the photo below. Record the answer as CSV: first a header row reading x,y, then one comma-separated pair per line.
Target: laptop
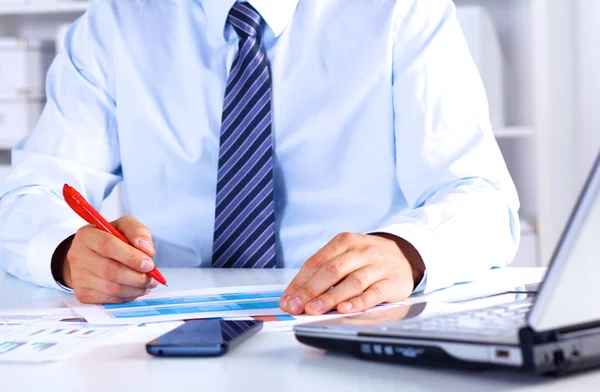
x,y
555,331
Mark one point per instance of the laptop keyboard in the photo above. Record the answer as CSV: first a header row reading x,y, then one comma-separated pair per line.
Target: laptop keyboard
x,y
492,321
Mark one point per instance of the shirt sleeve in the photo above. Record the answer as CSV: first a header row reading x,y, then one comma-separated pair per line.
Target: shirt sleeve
x,y
463,206
74,142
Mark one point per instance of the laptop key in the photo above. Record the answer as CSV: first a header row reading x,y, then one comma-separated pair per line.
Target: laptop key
x,y
496,320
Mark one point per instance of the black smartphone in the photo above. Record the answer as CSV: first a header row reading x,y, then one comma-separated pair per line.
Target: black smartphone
x,y
203,338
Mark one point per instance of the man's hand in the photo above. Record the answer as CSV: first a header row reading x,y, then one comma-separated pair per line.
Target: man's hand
x,y
354,272
103,269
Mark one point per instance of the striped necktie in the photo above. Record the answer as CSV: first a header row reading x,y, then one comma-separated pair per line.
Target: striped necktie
x,y
244,234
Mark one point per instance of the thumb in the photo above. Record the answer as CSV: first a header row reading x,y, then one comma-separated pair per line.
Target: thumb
x,y
137,234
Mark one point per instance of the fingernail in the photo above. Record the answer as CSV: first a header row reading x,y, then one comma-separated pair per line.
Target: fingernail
x,y
146,244
146,265
317,305
295,305
346,306
153,284
284,301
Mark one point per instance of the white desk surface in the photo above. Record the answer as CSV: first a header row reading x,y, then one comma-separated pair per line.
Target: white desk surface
x,y
267,362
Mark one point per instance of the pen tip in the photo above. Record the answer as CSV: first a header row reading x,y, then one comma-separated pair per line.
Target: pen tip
x,y
166,285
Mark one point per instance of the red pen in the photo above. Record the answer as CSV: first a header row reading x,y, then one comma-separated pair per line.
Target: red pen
x,y
91,216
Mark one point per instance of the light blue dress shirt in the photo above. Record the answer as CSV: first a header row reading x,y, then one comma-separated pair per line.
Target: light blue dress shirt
x,y
380,123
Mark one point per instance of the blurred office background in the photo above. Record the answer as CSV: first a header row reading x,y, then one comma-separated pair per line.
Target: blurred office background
x,y
539,60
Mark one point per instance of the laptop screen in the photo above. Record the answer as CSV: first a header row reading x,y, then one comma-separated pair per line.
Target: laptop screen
x,y
587,242
568,296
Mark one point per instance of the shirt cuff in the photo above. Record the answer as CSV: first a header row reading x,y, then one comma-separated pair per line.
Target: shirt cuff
x,y
64,288
426,243
421,286
42,249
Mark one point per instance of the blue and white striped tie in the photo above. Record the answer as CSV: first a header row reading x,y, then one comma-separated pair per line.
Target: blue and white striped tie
x,y
245,214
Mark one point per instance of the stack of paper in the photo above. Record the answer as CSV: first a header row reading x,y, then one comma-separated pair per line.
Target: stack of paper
x,y
231,303
56,334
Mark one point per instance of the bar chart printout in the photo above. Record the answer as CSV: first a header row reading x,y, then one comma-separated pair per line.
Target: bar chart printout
x,y
243,301
50,335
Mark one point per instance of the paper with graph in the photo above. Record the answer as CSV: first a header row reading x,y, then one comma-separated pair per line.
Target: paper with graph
x,y
48,335
184,305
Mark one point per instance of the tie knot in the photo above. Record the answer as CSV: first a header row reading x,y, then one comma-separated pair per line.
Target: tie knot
x,y
245,20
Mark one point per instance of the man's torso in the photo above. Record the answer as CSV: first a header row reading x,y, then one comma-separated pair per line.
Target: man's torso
x,y
332,111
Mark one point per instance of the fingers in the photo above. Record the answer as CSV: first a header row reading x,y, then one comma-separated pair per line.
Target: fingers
x,y
355,284
363,270
107,269
109,289
330,274
373,296
335,247
109,246
104,269
89,296
136,233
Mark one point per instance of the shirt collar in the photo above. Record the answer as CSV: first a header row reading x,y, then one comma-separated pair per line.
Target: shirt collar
x,y
276,13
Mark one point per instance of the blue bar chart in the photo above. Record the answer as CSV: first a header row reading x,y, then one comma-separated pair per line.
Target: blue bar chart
x,y
239,301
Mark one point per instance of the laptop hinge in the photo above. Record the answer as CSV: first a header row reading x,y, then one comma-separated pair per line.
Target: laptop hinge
x,y
559,351
529,339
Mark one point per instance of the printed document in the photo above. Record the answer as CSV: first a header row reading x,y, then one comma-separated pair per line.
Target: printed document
x,y
48,335
240,301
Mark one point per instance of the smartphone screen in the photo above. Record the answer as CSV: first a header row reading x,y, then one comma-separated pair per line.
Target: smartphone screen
x,y
200,338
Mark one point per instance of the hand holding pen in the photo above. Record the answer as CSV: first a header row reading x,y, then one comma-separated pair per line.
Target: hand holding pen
x,y
108,263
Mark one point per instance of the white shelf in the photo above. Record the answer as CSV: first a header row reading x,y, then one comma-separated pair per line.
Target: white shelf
x,y
43,7
514,132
